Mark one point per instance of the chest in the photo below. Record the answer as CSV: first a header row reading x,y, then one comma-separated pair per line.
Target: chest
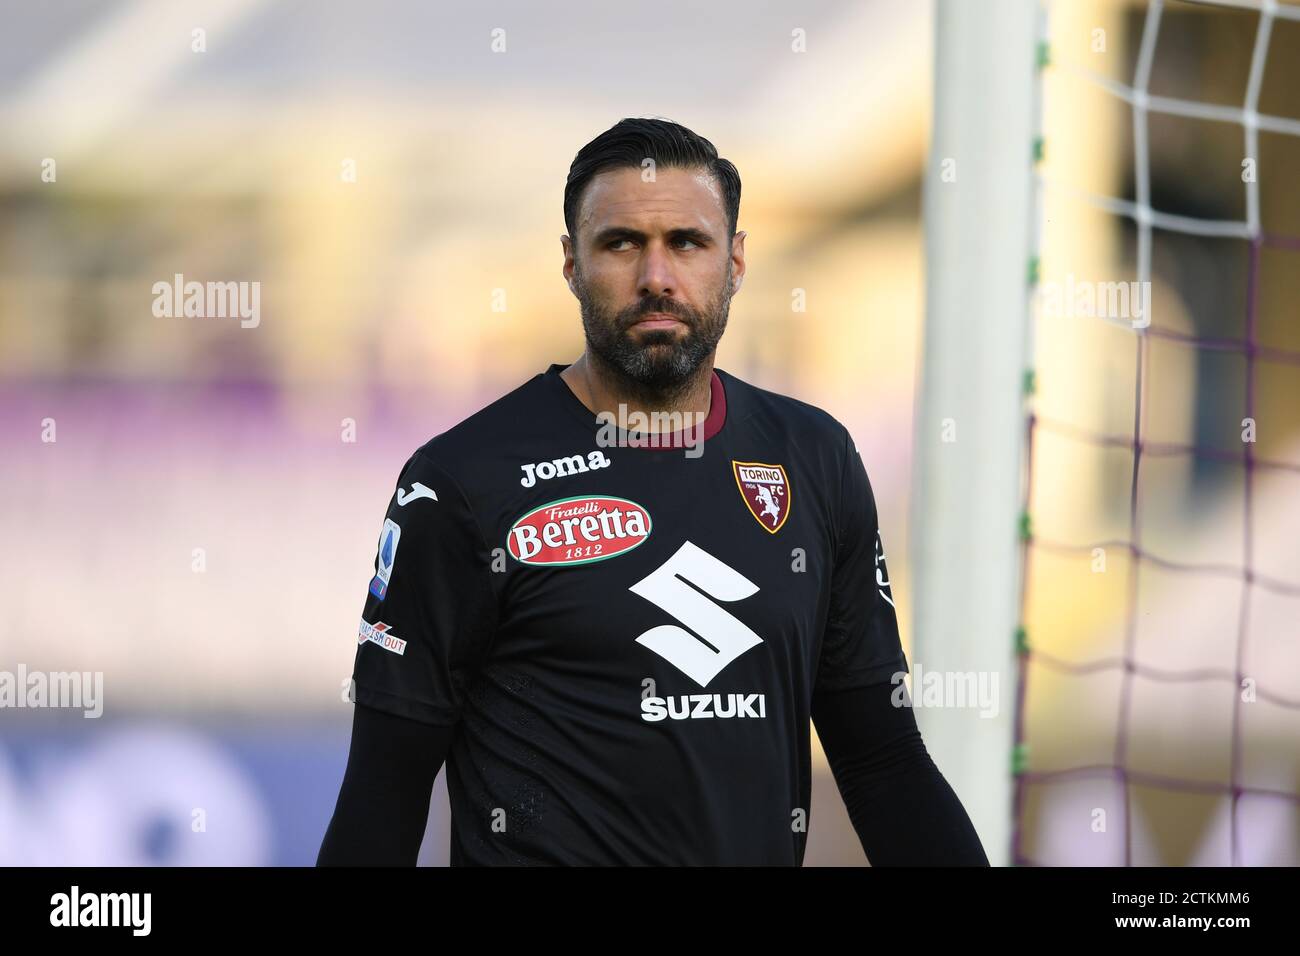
x,y
702,571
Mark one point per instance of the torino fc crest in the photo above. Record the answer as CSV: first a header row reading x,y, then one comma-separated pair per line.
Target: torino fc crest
x,y
766,491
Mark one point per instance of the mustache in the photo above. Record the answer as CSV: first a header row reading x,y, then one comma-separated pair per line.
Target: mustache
x,y
641,311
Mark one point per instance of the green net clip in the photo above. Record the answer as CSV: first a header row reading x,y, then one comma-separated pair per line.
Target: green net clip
x,y
1026,526
1030,382
1039,149
1044,54
1022,640
1019,758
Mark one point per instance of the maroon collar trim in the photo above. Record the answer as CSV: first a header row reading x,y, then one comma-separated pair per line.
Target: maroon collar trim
x,y
686,437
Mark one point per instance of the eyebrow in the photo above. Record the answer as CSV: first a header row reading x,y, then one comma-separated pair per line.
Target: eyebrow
x,y
614,233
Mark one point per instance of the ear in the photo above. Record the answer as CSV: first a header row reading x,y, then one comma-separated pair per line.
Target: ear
x,y
566,269
738,261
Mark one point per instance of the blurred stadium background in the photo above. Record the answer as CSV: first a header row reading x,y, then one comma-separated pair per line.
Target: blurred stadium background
x,y
187,443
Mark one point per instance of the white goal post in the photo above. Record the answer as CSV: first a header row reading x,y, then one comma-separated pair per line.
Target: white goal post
x,y
979,212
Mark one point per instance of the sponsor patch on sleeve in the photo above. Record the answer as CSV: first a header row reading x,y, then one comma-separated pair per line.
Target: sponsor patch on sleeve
x,y
388,539
381,634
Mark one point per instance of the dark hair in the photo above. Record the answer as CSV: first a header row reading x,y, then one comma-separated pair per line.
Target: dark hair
x,y
631,141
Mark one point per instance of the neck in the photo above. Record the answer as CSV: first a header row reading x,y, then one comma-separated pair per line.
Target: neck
x,y
602,388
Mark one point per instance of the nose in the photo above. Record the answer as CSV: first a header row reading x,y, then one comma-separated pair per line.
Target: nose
x,y
656,279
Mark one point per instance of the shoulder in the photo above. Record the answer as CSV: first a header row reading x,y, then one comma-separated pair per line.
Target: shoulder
x,y
472,451
809,428
818,443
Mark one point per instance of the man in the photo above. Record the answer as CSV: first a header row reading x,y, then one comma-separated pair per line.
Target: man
x,y
613,599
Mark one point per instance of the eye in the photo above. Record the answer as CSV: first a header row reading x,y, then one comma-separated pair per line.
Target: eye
x,y
684,239
611,245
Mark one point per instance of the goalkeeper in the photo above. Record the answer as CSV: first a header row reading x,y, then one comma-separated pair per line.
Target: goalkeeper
x,y
613,600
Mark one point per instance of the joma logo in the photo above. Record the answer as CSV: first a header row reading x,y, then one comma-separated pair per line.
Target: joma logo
x,y
562,467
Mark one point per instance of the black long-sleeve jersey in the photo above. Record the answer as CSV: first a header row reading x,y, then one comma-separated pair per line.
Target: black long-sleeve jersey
x,y
628,629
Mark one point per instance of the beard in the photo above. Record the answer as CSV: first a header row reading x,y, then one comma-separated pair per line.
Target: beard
x,y
656,363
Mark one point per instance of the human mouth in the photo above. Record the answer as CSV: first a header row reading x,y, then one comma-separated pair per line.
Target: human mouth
x,y
657,320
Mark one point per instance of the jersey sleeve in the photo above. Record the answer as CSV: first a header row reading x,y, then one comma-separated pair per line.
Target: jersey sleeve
x,y
861,645
430,612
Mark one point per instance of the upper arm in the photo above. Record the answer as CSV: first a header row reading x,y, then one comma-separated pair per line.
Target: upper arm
x,y
861,644
430,612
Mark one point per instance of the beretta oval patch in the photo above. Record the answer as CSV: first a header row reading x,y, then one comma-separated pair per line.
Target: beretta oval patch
x,y
578,530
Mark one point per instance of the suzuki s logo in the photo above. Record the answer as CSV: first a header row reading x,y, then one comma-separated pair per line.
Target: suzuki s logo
x,y
578,530
687,586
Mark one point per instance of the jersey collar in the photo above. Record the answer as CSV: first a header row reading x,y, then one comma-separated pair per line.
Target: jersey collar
x,y
713,422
